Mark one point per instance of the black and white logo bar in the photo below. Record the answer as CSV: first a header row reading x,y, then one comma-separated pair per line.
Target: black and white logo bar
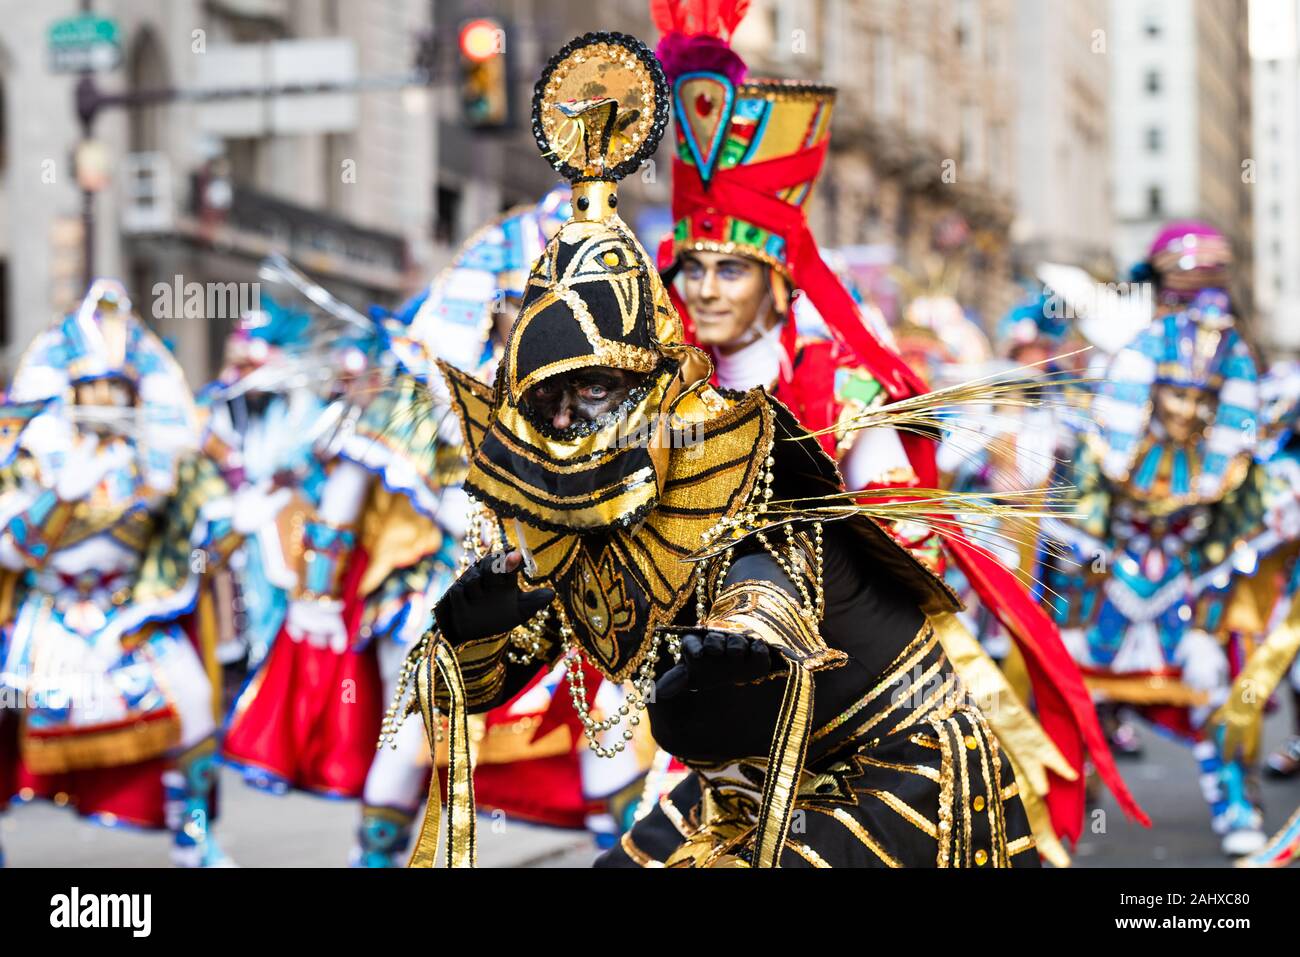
x,y
75,909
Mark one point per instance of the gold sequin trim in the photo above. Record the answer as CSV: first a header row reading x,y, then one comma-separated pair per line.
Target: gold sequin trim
x,y
807,853
858,831
923,770
639,857
905,811
671,812
908,659
1020,845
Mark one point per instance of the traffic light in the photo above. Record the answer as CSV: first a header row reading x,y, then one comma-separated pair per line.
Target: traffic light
x,y
484,78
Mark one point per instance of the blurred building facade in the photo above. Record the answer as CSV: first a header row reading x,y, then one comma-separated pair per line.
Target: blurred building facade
x,y
1275,55
1063,176
1181,124
482,173
201,192
922,167
969,133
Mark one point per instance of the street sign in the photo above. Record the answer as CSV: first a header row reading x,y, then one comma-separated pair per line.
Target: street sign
x,y
84,43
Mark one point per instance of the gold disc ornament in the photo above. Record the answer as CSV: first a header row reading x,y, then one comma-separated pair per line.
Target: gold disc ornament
x,y
600,107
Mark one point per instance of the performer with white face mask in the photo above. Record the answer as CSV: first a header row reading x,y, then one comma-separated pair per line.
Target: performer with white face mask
x,y
113,523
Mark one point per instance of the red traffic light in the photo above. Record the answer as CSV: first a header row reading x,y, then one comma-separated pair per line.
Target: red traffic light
x,y
481,40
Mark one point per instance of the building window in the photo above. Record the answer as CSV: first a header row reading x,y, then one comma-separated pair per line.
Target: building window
x,y
336,152
1151,22
920,91
1155,139
1153,81
968,28
447,213
246,159
1155,201
972,139
884,64
997,154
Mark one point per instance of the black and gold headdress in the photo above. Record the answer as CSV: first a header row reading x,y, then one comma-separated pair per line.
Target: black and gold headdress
x,y
594,298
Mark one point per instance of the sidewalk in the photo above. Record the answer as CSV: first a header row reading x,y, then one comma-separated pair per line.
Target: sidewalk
x,y
260,830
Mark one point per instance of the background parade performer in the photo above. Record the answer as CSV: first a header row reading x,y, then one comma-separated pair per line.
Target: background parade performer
x,y
1274,595
1166,486
112,522
260,416
365,549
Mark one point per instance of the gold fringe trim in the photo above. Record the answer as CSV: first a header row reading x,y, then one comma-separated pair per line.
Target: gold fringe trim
x,y
784,766
1145,689
111,747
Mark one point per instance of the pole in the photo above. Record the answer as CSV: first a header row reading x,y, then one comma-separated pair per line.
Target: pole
x,y
86,85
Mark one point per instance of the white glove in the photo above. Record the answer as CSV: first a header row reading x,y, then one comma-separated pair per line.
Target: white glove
x,y
256,506
319,623
86,466
1203,663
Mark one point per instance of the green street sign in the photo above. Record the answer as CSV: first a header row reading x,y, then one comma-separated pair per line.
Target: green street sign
x,y
84,43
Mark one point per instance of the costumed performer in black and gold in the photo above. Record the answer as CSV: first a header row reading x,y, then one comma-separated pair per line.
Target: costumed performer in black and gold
x,y
676,537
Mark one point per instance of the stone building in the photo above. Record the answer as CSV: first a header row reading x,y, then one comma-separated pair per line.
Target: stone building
x,y
201,192
1181,127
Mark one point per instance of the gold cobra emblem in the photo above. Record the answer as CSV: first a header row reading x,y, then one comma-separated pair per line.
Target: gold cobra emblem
x,y
603,605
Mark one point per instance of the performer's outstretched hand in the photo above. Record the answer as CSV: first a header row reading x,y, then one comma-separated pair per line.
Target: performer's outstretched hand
x,y
487,601
711,659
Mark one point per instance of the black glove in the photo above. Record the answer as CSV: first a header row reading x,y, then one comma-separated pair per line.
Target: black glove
x,y
482,602
712,659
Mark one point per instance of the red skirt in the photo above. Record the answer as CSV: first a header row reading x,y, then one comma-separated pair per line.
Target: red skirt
x,y
129,794
310,718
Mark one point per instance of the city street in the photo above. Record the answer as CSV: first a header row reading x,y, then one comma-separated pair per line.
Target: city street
x,y
1164,783
316,315
259,830
262,830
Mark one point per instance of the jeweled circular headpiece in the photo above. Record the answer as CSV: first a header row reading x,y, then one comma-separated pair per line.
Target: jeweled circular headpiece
x,y
600,109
